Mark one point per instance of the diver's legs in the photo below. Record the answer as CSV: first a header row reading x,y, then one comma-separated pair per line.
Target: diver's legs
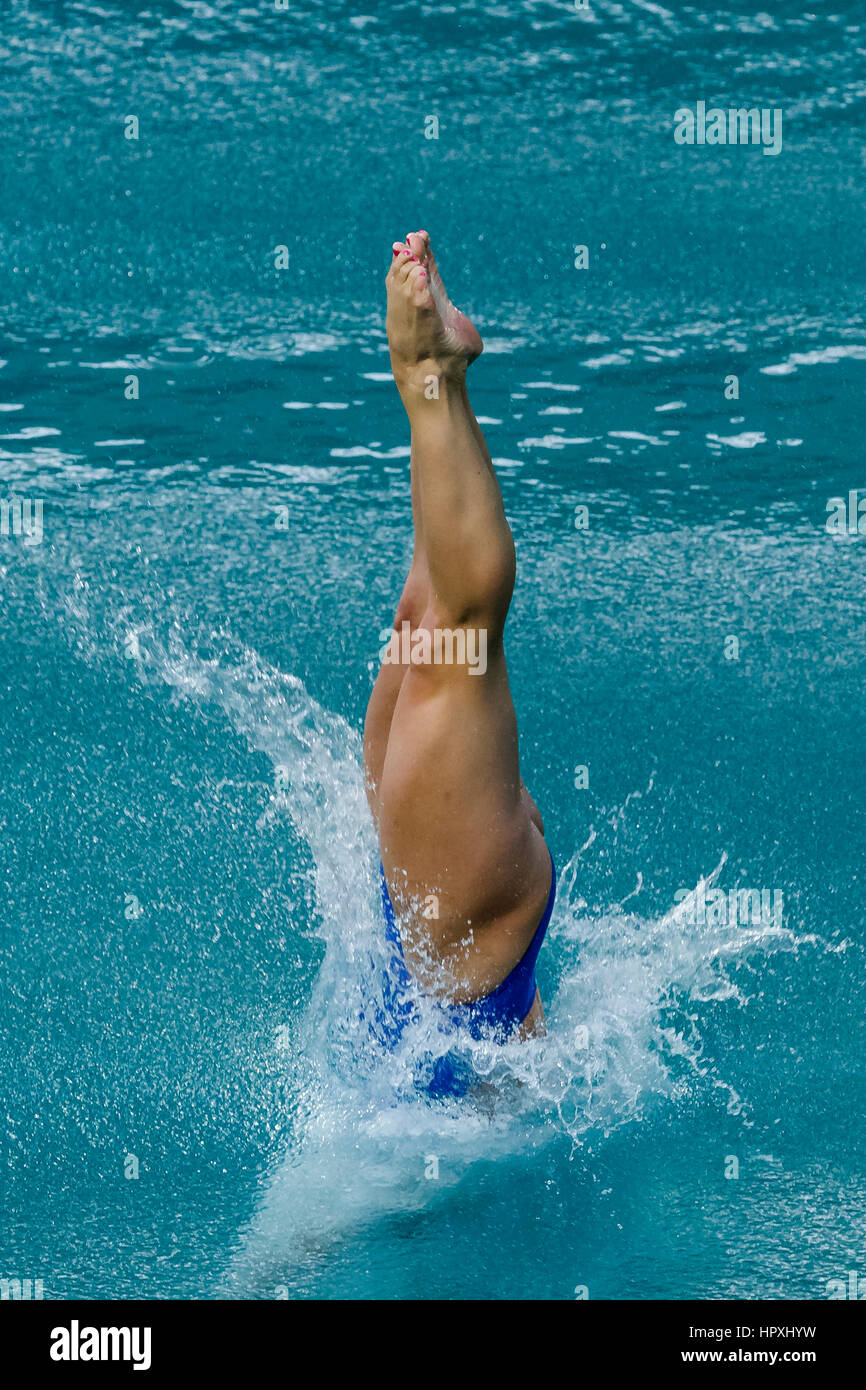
x,y
455,824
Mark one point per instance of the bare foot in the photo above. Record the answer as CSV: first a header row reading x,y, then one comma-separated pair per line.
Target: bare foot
x,y
424,328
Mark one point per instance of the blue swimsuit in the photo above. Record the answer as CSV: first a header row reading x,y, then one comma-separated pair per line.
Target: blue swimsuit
x,y
496,1014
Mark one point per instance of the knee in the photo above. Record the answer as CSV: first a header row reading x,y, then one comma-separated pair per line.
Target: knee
x,y
414,601
483,598
408,611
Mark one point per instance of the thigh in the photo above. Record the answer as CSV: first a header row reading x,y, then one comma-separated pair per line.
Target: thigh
x,y
455,822
377,728
387,686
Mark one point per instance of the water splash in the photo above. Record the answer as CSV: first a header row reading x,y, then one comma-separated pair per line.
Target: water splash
x,y
624,1020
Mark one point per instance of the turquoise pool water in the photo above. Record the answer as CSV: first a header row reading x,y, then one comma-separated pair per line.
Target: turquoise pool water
x,y
188,886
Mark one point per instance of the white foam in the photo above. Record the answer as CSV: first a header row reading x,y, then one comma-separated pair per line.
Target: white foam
x,y
315,342
549,386
818,356
611,359
31,432
634,434
749,439
362,451
553,441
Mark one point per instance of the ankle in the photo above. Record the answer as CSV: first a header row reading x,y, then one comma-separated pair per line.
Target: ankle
x,y
429,379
